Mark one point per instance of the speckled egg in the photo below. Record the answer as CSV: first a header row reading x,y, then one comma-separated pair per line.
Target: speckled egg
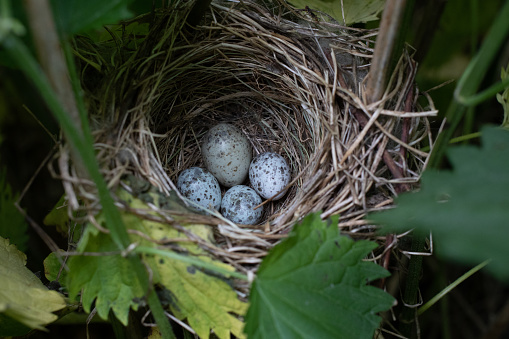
x,y
238,203
200,186
227,154
269,174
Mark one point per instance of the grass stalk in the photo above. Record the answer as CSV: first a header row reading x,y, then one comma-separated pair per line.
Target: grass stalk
x,y
450,287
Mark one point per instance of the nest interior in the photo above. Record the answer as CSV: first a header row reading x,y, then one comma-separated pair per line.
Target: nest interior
x,y
292,81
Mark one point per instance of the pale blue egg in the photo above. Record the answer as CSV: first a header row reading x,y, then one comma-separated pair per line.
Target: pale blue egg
x,y
238,205
269,174
200,186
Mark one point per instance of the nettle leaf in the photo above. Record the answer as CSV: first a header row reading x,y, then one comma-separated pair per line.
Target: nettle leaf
x,y
105,277
25,303
78,16
313,285
352,11
205,299
467,209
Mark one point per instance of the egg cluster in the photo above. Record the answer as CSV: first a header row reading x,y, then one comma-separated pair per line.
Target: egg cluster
x,y
228,160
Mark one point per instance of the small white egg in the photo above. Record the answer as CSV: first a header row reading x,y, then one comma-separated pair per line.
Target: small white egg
x,y
227,154
269,174
238,203
200,186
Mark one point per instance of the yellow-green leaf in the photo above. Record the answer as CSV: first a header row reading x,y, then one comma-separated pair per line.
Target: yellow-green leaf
x,y
205,300
25,303
202,296
58,216
104,277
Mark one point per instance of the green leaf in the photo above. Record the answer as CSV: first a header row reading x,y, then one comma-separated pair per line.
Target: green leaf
x,y
109,278
12,223
77,16
467,208
353,11
205,300
25,303
53,270
313,285
202,297
58,216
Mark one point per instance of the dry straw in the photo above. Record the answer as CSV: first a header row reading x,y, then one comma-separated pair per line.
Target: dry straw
x,y
292,81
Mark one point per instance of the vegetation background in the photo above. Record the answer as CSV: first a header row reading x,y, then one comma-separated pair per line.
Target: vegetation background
x,y
445,34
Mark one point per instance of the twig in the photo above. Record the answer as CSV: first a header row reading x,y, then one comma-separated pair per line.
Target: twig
x,y
391,165
38,229
50,54
389,244
385,42
406,121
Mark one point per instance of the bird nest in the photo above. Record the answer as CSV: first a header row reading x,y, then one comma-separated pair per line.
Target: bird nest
x,y
292,81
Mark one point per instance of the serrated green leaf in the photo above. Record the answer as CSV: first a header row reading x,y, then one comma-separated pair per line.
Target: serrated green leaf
x,y
107,278
25,303
313,285
12,223
467,209
77,16
353,11
205,299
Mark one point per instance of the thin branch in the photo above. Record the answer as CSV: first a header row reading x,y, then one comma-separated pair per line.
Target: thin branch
x,y
51,57
385,42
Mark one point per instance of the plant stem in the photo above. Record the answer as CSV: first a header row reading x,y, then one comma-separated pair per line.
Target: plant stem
x,y
444,304
49,52
465,137
384,48
470,82
190,260
411,293
163,324
488,93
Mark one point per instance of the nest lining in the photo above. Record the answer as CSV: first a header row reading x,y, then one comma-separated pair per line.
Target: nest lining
x,y
294,85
